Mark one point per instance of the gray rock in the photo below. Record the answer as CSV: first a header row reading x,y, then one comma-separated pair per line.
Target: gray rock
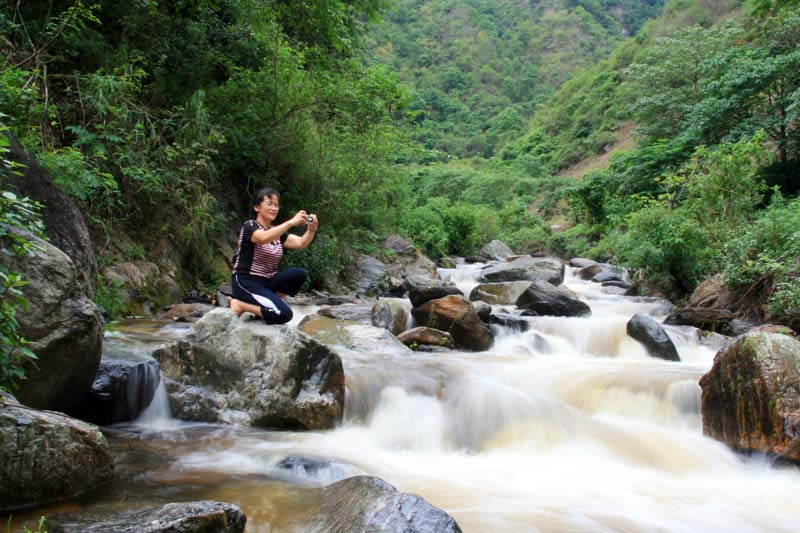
x,y
420,291
422,336
588,272
401,247
510,321
484,310
647,331
547,300
606,276
65,331
354,312
344,336
497,250
201,516
580,262
364,503
314,470
504,293
389,315
146,288
372,277
455,315
751,395
46,455
616,283
279,376
525,269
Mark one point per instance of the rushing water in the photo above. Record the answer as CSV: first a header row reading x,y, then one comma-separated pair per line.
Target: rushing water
x,y
569,426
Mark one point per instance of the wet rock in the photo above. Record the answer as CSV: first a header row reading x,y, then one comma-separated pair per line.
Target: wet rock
x,y
605,276
496,250
188,402
421,291
472,259
64,331
616,283
365,503
315,470
389,315
46,455
525,269
547,300
334,300
484,311
510,321
504,293
276,374
355,312
588,272
345,335
580,262
419,336
184,312
201,516
446,262
718,320
647,331
618,291
372,278
122,389
751,395
455,315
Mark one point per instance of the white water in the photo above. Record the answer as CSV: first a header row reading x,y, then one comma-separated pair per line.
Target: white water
x,y
567,427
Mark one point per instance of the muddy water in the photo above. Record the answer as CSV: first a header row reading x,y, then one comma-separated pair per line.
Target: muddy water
x,y
569,426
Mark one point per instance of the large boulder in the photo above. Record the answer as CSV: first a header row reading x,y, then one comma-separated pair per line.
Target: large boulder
x,y
346,336
389,315
751,395
496,250
650,333
547,300
421,291
64,224
371,276
142,286
355,312
504,293
123,388
422,336
201,517
525,269
713,293
455,315
364,503
46,455
718,320
65,331
277,375
409,261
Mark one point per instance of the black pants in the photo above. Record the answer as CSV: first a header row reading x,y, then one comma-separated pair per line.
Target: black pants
x,y
262,292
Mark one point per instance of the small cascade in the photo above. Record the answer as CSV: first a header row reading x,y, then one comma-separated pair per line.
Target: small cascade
x,y
157,414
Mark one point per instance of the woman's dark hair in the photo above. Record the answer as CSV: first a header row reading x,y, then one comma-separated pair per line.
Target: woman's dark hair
x,y
264,193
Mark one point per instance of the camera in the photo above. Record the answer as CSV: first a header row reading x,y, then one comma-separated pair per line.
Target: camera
x,y
309,219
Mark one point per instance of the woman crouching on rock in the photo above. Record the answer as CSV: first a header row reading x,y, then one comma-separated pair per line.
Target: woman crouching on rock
x,y
258,287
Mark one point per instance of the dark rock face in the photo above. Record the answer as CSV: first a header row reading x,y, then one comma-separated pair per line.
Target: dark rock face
x,y
64,224
504,293
751,395
364,503
355,312
200,517
122,389
510,321
588,272
279,376
426,336
547,300
717,320
647,331
46,455
65,331
484,311
525,269
496,250
421,291
389,315
455,315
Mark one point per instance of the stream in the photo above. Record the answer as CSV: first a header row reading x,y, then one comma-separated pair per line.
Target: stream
x,y
569,426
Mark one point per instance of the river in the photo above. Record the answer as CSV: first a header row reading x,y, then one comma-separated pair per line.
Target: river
x,y
569,426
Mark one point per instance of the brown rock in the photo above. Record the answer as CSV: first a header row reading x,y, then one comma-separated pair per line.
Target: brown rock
x,y
427,336
718,320
455,315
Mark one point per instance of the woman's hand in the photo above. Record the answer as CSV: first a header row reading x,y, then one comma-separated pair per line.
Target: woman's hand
x,y
314,224
299,219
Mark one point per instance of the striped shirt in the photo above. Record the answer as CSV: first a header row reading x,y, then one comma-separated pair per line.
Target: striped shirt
x,y
257,259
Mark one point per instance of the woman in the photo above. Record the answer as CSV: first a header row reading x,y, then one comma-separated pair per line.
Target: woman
x,y
258,287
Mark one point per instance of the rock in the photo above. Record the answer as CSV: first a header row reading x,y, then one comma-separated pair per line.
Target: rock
x,y
400,246
472,259
421,291
372,277
64,224
64,331
525,269
713,293
351,336
587,273
647,331
484,311
606,276
201,516
188,402
497,250
354,312
46,455
616,283
547,300
122,389
510,321
446,262
335,300
426,336
389,315
409,260
718,320
186,312
504,293
580,262
315,470
144,288
740,326
364,503
455,315
277,375
751,395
